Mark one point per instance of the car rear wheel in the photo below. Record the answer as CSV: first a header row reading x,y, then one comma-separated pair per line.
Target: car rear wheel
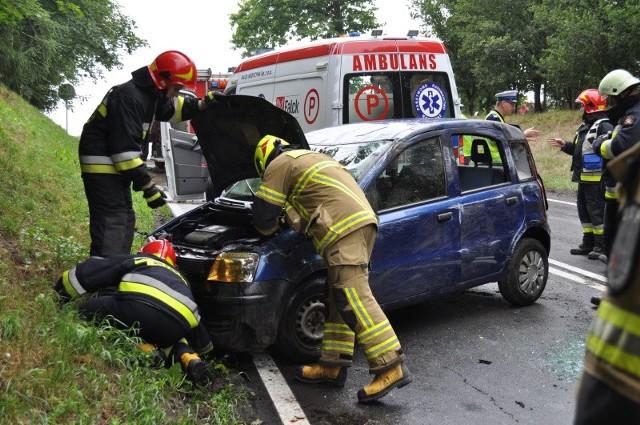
x,y
527,275
301,326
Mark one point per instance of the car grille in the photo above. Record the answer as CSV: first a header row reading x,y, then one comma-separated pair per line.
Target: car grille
x,y
196,270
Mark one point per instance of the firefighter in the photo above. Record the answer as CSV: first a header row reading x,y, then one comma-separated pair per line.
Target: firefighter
x,y
111,141
506,103
623,93
609,389
147,292
587,169
323,201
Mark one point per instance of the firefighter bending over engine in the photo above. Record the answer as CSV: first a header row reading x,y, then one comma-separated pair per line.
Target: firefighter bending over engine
x,y
325,202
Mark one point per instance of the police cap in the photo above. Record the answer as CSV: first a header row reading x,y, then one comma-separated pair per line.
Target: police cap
x,y
510,95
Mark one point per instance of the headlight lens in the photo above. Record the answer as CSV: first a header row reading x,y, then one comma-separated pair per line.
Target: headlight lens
x,y
234,267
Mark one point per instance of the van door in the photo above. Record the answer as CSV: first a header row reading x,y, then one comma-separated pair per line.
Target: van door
x,y
185,166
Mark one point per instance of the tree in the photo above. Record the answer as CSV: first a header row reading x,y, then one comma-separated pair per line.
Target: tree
x,y
492,43
47,43
587,39
263,24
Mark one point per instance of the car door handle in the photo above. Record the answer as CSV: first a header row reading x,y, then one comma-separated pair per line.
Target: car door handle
x,y
511,200
445,216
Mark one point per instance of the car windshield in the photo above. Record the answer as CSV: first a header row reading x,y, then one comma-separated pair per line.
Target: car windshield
x,y
244,190
356,157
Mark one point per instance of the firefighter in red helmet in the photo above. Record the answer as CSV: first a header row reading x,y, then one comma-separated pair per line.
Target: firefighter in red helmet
x,y
587,168
111,142
145,292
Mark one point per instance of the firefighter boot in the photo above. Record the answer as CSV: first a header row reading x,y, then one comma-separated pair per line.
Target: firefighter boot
x,y
598,248
585,247
384,382
195,369
319,374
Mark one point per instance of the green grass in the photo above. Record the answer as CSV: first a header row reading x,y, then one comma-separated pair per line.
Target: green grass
x,y
54,367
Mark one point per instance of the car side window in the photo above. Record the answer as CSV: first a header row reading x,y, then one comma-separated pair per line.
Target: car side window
x,y
416,174
481,161
522,160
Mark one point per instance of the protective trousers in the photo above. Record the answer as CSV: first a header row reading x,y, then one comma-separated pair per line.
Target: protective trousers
x,y
112,219
152,324
590,203
353,311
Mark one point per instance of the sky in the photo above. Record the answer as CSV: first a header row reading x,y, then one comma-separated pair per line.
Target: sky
x,y
202,35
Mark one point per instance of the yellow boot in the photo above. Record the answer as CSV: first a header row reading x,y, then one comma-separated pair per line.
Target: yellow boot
x,y
195,369
384,382
319,374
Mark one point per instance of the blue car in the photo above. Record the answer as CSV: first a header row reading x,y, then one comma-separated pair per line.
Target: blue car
x,y
459,202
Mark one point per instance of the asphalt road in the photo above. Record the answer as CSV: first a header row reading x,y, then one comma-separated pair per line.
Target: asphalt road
x,y
474,358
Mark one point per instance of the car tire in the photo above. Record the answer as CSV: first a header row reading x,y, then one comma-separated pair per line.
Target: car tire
x,y
527,274
301,325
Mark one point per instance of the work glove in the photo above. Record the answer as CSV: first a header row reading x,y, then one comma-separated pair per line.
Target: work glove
x,y
155,197
62,295
212,97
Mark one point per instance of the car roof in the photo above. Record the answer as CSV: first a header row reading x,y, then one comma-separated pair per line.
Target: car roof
x,y
401,129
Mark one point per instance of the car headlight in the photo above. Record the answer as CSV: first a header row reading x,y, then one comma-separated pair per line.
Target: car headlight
x,y
234,267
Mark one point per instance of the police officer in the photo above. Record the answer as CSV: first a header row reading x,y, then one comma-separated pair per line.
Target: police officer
x,y
144,290
506,103
111,140
623,93
609,390
587,169
322,200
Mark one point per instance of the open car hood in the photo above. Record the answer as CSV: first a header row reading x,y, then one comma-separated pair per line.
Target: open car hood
x,y
230,130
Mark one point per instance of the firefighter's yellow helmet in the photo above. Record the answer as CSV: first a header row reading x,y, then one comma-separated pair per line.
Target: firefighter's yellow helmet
x,y
266,150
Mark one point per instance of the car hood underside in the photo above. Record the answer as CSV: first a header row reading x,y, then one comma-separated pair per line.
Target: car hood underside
x,y
231,128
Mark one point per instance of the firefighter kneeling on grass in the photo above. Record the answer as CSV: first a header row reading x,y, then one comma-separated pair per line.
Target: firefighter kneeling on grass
x,y
325,202
609,391
147,292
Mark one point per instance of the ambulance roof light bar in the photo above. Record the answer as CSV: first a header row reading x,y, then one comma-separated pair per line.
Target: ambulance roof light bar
x,y
376,33
412,33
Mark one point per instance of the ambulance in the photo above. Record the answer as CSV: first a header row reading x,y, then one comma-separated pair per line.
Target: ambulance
x,y
353,78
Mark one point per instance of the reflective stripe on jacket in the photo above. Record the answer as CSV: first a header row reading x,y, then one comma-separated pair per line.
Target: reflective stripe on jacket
x,y
326,197
111,139
143,277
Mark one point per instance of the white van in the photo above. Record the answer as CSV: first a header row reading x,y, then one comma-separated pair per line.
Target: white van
x,y
356,78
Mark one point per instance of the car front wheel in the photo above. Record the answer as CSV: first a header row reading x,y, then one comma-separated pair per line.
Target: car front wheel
x,y
301,325
527,274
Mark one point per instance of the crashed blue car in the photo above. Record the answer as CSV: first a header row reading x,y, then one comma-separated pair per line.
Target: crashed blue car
x,y
460,204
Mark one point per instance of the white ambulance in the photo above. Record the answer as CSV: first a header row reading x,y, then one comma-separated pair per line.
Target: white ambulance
x,y
353,78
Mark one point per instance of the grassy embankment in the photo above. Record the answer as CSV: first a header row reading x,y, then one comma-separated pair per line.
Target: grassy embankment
x,y
55,368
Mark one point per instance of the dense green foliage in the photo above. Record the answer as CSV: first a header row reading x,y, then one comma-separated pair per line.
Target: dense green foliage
x,y
47,43
555,48
54,367
263,24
